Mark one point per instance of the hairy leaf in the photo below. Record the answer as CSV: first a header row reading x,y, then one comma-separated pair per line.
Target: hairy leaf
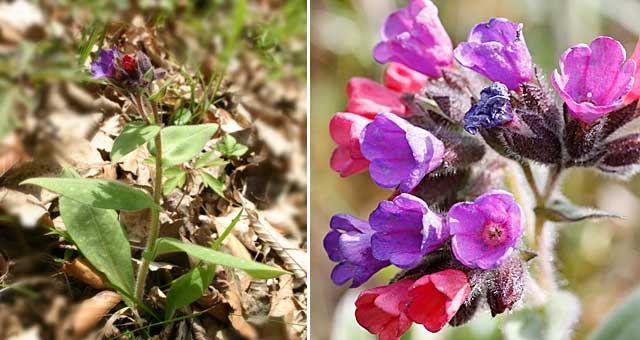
x,y
187,289
622,323
564,211
255,269
100,238
132,136
97,193
182,143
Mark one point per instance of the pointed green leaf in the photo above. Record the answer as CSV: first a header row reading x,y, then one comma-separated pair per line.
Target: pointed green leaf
x,y
100,238
231,147
215,184
187,289
210,159
132,136
564,211
255,269
622,323
173,181
182,143
98,193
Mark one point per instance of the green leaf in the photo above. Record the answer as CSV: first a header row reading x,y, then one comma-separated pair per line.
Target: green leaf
x,y
227,231
182,143
97,193
182,116
217,185
100,238
187,289
255,269
231,147
132,136
621,323
564,211
175,178
210,159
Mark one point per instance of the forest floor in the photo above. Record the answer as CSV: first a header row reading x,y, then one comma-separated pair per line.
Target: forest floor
x,y
238,64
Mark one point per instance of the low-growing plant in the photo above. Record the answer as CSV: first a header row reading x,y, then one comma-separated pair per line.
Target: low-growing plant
x,y
89,207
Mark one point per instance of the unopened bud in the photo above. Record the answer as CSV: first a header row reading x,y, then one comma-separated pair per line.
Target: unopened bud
x,y
507,285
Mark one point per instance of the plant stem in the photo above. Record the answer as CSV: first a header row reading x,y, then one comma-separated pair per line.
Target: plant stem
x,y
149,249
544,272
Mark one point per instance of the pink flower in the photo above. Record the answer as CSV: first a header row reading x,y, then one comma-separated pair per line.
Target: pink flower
x,y
593,79
368,98
381,310
486,231
436,298
415,37
403,79
635,90
345,129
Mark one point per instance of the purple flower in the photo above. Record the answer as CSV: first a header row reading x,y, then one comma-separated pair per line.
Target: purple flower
x,y
406,230
593,79
400,153
104,66
497,50
493,109
415,37
349,242
484,232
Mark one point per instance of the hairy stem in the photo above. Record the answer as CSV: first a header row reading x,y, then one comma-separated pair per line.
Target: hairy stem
x,y
149,249
540,240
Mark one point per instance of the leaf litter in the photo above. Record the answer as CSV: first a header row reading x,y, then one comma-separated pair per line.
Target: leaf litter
x,y
249,80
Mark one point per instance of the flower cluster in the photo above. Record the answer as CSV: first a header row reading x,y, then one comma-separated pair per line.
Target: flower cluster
x,y
448,226
478,235
125,71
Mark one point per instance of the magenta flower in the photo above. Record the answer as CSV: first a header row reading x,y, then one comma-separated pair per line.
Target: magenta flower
x,y
349,242
105,65
402,79
346,129
497,50
485,232
593,79
415,37
405,231
400,153
634,94
368,98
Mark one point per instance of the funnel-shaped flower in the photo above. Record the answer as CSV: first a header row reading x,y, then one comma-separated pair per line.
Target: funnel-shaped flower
x,y
485,232
415,37
400,153
104,66
497,50
406,230
402,79
435,298
381,310
368,98
349,242
346,130
493,109
593,79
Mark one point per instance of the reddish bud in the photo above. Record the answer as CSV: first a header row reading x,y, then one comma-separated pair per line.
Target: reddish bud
x,y
129,63
506,287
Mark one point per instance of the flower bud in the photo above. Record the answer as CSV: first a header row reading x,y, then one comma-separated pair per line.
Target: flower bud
x,y
506,286
622,155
